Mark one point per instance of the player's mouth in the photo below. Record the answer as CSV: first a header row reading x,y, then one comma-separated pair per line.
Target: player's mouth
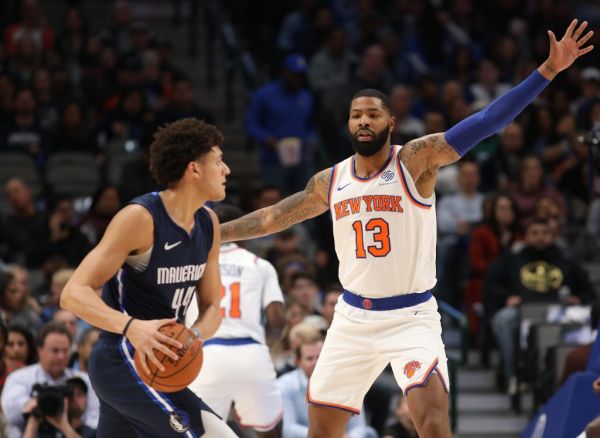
x,y
364,135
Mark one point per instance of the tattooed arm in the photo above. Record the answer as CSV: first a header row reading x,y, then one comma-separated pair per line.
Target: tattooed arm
x,y
423,157
310,202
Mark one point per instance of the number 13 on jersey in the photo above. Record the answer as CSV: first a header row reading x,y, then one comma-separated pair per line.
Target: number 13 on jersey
x,y
379,229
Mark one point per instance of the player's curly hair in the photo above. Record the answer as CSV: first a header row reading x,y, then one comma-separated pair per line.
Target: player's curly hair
x,y
178,143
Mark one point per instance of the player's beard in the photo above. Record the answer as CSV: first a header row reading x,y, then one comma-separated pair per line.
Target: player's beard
x,y
369,148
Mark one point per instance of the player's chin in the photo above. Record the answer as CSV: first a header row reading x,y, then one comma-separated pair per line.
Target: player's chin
x,y
219,196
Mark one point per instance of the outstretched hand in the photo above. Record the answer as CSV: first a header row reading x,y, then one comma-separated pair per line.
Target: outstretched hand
x,y
565,51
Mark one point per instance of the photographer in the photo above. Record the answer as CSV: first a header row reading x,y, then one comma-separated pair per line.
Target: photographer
x,y
68,420
28,387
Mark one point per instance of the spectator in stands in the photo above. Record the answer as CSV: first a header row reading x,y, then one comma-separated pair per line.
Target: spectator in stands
x,y
72,40
577,359
20,347
297,28
50,301
53,350
25,133
330,299
14,304
21,276
488,87
73,133
531,186
533,275
71,422
331,66
7,97
590,92
406,127
487,242
183,105
69,321
131,118
33,27
25,225
503,165
457,214
294,386
105,204
86,342
574,182
403,426
117,35
371,73
47,108
294,331
136,178
547,209
7,366
304,289
280,118
62,237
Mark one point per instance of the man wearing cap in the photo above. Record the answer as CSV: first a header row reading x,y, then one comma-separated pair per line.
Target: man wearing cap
x,y
280,120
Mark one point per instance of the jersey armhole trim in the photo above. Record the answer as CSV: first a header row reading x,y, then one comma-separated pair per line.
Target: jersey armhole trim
x,y
411,197
331,183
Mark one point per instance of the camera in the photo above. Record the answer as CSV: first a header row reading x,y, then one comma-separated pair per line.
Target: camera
x,y
50,399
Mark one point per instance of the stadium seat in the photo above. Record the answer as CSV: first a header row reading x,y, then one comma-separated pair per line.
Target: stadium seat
x,y
73,174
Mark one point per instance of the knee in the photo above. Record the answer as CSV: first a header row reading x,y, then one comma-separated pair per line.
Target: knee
x,y
432,420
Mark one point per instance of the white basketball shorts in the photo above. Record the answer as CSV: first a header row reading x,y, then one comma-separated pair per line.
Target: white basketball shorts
x,y
360,344
244,375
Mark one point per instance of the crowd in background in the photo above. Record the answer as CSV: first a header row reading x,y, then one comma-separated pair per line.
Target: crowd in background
x,y
516,217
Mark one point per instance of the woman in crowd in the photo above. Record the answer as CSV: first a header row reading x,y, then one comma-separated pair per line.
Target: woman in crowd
x,y
495,235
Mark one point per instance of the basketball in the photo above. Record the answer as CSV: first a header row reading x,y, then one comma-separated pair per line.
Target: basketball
x,y
177,374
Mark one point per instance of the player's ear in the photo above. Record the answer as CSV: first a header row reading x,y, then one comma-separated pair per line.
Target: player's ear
x,y
392,122
195,168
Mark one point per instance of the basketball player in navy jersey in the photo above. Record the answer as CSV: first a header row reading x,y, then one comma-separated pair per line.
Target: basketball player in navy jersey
x,y
158,252
382,204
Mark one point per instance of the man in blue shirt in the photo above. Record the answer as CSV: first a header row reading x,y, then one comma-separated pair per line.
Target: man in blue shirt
x,y
280,119
293,387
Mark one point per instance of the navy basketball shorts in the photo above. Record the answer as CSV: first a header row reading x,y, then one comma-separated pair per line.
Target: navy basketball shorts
x,y
129,407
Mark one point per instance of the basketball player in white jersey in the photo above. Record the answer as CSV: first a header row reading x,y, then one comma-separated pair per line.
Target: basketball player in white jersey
x,y
382,205
237,365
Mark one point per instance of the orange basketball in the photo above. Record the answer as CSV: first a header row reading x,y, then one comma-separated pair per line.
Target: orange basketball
x,y
177,374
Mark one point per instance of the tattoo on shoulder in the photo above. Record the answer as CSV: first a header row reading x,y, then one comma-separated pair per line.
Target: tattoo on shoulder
x,y
435,142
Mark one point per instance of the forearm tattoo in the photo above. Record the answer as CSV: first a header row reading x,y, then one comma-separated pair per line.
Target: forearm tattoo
x,y
300,206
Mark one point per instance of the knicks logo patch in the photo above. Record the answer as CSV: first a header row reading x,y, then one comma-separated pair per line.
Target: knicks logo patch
x,y
411,367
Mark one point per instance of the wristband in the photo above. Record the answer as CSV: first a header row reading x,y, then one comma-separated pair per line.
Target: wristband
x,y
127,326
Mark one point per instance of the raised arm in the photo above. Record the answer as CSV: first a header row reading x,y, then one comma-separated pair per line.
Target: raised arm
x,y
310,202
424,156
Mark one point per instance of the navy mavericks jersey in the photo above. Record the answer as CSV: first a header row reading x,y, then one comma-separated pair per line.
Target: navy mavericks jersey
x,y
162,282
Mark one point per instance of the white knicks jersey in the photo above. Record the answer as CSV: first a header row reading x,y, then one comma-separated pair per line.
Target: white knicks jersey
x,y
249,285
384,231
